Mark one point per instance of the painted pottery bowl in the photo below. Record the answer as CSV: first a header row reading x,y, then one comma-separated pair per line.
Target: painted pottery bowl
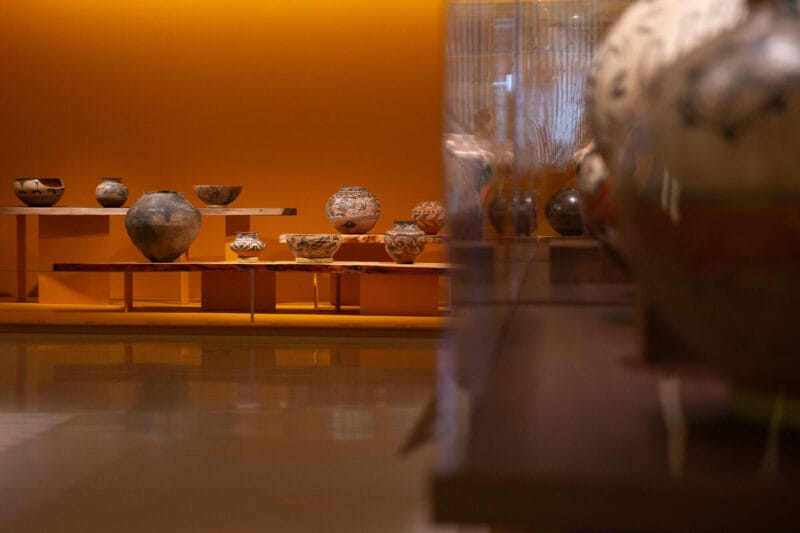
x,y
39,192
313,247
217,195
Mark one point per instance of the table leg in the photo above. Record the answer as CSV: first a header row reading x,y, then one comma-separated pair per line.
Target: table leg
x,y
127,291
22,267
252,295
337,279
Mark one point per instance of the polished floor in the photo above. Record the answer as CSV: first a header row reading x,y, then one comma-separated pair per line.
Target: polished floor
x,y
111,432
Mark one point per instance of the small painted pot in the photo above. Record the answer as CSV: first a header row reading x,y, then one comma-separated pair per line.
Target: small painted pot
x,y
353,210
39,192
111,192
404,241
247,246
430,216
313,247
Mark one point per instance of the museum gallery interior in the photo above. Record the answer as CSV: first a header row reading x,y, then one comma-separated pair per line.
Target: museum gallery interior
x,y
399,266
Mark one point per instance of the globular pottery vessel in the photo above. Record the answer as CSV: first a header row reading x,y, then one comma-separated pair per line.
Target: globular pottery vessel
x,y
709,199
430,216
404,241
353,210
313,247
650,36
563,213
162,225
111,192
217,195
247,246
39,192
523,213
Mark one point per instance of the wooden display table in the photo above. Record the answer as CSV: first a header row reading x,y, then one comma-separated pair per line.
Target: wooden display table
x,y
85,237
228,278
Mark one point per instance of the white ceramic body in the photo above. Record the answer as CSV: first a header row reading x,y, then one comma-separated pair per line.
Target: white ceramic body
x,y
353,210
404,241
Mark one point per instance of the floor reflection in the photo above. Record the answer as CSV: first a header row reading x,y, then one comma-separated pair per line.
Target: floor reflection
x,y
152,433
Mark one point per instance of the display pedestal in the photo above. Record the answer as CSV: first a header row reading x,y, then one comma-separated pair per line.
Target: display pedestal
x,y
81,238
578,260
399,294
229,292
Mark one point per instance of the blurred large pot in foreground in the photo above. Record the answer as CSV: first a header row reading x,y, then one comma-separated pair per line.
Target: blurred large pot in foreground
x,y
709,197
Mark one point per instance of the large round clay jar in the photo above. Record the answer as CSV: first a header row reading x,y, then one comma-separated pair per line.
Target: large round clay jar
x,y
709,200
111,192
162,225
404,241
649,36
430,216
353,210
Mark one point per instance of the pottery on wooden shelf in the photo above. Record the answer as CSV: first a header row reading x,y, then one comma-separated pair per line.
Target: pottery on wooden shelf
x,y
111,192
247,246
162,225
353,210
430,216
39,192
709,199
563,213
313,247
217,196
404,241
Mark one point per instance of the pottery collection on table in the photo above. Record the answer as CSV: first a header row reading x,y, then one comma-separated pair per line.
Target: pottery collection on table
x,y
39,192
404,241
247,246
111,192
162,225
353,210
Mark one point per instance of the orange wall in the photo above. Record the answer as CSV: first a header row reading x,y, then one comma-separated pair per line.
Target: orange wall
x,y
291,98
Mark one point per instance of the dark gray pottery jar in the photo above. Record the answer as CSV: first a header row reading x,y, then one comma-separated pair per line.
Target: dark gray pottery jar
x,y
162,225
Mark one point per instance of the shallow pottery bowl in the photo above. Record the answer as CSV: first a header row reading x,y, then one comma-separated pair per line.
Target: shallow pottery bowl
x,y
217,195
39,192
313,247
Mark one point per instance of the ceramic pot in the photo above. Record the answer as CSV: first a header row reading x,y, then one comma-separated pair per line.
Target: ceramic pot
x,y
111,192
313,247
404,241
162,225
523,212
353,210
649,36
563,213
709,199
217,196
497,211
247,246
430,216
39,192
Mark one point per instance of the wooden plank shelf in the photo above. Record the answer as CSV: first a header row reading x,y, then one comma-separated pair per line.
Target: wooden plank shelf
x,y
426,273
